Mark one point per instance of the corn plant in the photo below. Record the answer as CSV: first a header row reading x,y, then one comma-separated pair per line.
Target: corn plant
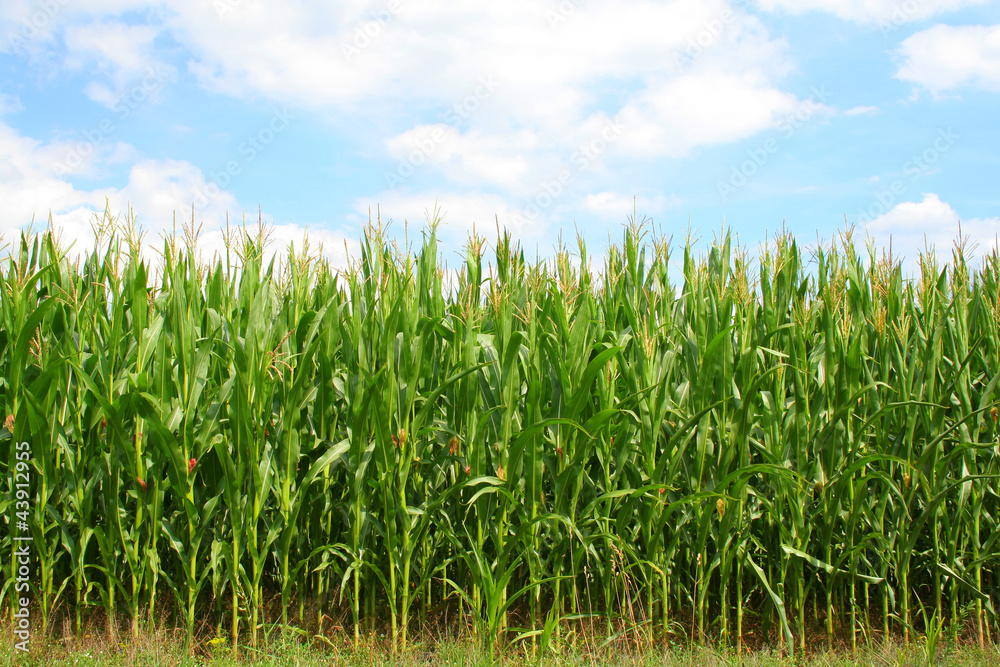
x,y
807,440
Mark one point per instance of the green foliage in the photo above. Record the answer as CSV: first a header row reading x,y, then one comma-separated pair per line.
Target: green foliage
x,y
810,443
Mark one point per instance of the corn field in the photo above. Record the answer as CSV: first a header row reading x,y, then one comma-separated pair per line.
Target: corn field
x,y
800,446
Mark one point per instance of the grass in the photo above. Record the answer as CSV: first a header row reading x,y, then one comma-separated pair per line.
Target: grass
x,y
167,648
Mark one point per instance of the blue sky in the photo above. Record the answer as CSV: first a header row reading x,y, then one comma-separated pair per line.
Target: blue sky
x,y
547,117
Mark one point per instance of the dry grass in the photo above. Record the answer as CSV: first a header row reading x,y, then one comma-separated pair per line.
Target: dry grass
x,y
102,646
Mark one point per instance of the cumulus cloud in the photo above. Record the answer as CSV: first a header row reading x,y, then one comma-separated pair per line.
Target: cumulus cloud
x,y
557,66
716,108
913,227
944,57
32,188
571,85
159,193
618,205
472,157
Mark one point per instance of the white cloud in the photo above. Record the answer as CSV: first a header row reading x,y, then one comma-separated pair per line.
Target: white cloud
x,y
945,57
862,111
912,227
25,27
915,217
337,247
886,12
674,75
32,189
124,57
550,75
29,187
528,222
163,187
619,205
460,212
716,108
472,157
556,76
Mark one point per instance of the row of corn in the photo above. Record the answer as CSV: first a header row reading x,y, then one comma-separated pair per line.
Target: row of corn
x,y
801,442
